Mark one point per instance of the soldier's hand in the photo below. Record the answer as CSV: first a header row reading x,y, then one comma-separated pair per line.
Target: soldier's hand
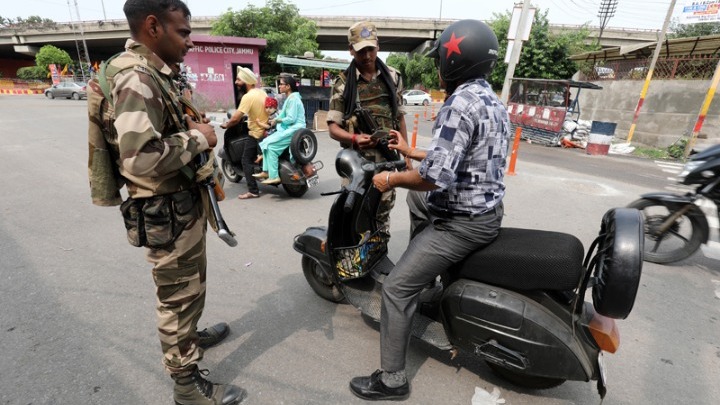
x,y
364,141
206,129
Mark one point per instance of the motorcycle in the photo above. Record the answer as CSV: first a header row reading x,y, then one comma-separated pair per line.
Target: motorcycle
x,y
297,175
517,304
675,226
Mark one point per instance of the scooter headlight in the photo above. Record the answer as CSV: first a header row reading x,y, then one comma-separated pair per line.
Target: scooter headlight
x,y
689,167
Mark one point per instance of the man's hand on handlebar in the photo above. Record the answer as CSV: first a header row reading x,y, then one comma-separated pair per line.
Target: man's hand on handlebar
x,y
381,181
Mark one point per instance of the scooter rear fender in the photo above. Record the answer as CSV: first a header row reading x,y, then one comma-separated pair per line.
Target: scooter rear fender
x,y
311,243
517,332
668,197
289,174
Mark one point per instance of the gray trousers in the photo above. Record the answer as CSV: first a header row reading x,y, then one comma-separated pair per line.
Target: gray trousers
x,y
440,244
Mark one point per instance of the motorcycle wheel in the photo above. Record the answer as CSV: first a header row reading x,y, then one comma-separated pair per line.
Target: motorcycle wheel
x,y
229,172
679,242
524,380
295,190
320,282
303,146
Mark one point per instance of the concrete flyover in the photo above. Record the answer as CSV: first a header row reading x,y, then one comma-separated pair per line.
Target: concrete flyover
x,y
105,38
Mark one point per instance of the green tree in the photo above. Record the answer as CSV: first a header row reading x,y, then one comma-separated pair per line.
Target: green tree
x,y
544,55
280,23
415,70
49,54
31,73
692,30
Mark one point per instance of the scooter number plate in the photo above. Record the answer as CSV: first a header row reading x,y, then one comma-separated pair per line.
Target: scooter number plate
x,y
601,367
313,181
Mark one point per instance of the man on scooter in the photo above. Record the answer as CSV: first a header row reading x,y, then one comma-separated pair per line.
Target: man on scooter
x,y
456,199
252,105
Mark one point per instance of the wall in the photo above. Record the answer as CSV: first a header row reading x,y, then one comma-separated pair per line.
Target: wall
x,y
670,110
211,67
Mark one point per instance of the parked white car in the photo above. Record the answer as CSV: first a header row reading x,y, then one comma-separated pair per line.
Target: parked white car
x,y
416,97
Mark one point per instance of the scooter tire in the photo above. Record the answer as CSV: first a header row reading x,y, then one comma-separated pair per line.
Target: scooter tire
x,y
525,380
304,146
323,286
229,172
620,263
295,190
653,243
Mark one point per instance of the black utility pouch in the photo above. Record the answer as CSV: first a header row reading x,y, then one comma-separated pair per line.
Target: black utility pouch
x,y
158,217
184,204
131,210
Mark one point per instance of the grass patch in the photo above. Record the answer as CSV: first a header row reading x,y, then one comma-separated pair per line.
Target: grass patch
x,y
651,153
673,152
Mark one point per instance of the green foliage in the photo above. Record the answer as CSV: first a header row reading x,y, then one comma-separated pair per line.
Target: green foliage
x,y
32,22
280,23
692,30
31,73
415,70
677,149
544,56
49,54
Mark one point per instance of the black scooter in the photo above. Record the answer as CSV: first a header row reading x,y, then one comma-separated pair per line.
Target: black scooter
x,y
297,176
517,304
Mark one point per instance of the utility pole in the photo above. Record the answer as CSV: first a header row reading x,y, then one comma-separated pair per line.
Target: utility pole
x,y
606,11
522,31
103,7
651,68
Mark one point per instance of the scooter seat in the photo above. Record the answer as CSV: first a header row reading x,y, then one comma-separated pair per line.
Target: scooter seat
x,y
527,259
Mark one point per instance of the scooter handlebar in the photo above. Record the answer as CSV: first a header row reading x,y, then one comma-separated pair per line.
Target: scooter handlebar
x,y
349,201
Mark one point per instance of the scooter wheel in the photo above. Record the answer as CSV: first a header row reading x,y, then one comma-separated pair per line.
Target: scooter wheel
x,y
229,172
304,146
323,285
620,262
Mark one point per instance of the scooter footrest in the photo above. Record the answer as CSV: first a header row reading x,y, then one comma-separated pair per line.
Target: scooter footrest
x,y
430,331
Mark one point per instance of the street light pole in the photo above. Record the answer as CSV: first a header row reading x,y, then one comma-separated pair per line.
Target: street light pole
x,y
103,7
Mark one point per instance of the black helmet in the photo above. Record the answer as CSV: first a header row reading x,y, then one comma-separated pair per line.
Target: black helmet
x,y
466,49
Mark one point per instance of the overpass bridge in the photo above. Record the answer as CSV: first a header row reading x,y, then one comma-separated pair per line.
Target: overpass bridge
x,y
104,38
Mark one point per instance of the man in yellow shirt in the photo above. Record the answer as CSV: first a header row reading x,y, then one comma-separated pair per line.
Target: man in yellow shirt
x,y
252,105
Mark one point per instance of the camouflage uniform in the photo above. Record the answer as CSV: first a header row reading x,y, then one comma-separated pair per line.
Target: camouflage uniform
x,y
375,96
149,151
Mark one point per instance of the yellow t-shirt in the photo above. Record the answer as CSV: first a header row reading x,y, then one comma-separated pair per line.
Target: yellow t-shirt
x,y
253,106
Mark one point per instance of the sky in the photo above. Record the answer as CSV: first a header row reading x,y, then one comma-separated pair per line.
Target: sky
x,y
643,14
632,14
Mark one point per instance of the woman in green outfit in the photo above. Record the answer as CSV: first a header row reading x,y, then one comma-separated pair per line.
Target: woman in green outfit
x,y
290,119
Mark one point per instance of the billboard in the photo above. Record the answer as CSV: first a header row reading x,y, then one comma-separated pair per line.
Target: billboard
x,y
702,11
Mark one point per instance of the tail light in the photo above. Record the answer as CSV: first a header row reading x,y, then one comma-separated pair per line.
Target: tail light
x,y
605,332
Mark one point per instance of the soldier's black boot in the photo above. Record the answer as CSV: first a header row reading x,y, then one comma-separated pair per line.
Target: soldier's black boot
x,y
213,335
191,388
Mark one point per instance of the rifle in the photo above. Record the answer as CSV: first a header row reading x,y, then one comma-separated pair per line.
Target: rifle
x,y
368,125
212,186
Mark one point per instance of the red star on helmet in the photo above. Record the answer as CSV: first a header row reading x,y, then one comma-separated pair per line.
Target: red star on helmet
x,y
453,45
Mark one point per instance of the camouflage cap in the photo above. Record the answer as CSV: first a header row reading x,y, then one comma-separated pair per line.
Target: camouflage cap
x,y
363,34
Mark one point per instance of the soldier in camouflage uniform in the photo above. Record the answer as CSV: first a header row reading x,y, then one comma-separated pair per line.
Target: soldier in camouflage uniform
x,y
140,138
371,84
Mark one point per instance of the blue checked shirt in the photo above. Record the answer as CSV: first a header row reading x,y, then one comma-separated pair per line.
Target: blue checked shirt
x,y
467,156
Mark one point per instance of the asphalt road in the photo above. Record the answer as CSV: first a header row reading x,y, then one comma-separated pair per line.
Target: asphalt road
x,y
77,320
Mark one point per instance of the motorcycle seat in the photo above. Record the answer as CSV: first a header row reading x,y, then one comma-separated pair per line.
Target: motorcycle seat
x,y
526,259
